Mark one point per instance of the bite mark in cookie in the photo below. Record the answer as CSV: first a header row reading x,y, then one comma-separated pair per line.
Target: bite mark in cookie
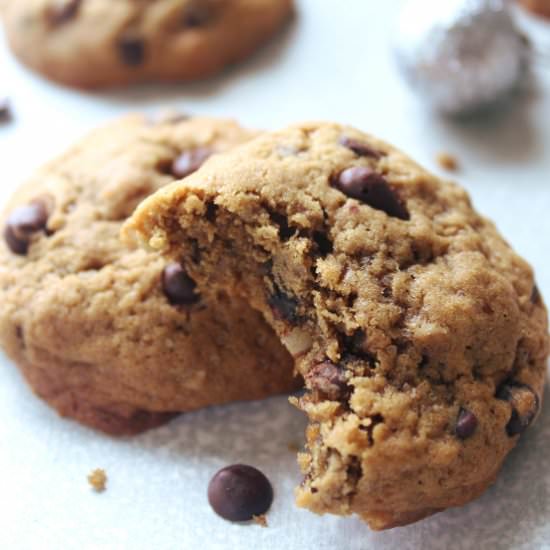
x,y
403,308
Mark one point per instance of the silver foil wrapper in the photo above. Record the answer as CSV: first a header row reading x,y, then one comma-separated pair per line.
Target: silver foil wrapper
x,y
460,55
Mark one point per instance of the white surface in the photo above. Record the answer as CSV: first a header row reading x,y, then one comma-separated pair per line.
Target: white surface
x,y
330,65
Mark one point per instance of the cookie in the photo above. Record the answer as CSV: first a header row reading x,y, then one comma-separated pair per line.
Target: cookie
x,y
540,7
113,337
419,332
98,43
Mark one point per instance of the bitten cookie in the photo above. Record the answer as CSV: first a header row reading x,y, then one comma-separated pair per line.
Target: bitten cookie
x,y
116,338
96,43
421,335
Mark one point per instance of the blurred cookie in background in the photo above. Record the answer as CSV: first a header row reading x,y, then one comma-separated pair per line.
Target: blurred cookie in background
x,y
101,43
540,7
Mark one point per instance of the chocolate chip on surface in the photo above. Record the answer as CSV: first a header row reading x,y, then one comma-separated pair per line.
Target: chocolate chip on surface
x,y
525,405
240,492
22,223
178,287
466,424
62,11
284,307
360,148
328,379
131,50
190,161
366,185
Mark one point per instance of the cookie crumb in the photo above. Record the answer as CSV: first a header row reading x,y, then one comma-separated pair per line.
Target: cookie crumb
x,y
293,447
447,161
261,520
5,109
98,480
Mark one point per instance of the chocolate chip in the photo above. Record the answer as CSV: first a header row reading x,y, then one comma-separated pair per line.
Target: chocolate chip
x,y
355,346
132,50
62,11
525,405
324,244
240,492
22,223
178,287
328,379
466,424
211,210
285,230
197,15
284,307
535,295
364,184
190,161
5,109
360,148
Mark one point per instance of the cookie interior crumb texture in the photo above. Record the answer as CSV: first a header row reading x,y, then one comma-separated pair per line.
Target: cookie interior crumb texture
x,y
98,480
420,334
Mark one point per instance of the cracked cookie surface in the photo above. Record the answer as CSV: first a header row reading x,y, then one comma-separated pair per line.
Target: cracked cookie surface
x,y
95,43
117,338
419,332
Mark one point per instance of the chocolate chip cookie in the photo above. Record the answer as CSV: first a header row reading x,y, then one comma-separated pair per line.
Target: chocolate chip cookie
x,y
95,43
421,335
117,338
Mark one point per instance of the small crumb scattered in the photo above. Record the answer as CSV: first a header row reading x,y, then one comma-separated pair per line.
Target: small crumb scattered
x,y
447,161
98,480
261,520
5,109
293,447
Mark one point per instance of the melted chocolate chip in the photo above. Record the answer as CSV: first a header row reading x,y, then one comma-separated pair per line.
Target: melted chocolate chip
x,y
284,307
466,424
525,405
178,287
355,346
211,210
360,148
131,50
190,161
62,11
285,230
366,185
240,492
535,295
328,379
324,244
22,223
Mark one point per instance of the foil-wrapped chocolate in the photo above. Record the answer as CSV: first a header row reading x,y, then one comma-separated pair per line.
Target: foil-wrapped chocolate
x,y
460,55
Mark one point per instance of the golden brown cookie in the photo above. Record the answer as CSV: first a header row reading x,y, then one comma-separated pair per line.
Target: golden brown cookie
x,y
119,339
95,43
420,333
